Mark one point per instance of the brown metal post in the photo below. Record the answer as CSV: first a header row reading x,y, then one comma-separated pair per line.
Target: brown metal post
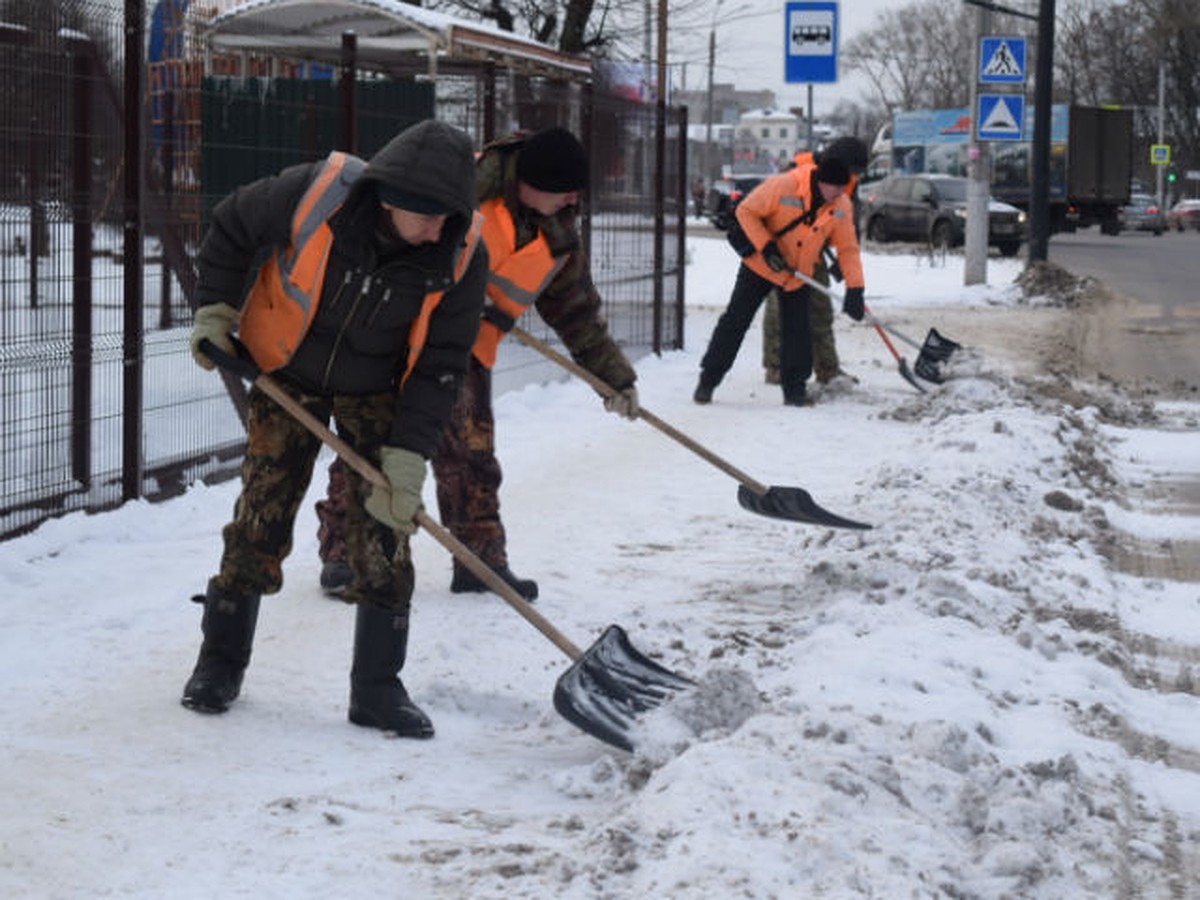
x,y
167,189
37,214
681,234
587,126
489,102
81,261
349,91
132,347
660,161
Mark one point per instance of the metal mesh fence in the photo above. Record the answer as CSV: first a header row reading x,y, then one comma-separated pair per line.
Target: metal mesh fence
x,y
101,401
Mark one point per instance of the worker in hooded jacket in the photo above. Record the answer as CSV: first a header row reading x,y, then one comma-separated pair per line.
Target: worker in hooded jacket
x,y
787,219
366,285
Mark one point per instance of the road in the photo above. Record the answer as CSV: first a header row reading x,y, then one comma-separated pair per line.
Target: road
x,y
1152,330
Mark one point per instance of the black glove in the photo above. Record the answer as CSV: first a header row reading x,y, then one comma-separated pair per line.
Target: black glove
x,y
773,258
852,304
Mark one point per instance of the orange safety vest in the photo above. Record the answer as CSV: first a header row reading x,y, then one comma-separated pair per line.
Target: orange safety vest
x,y
283,301
516,278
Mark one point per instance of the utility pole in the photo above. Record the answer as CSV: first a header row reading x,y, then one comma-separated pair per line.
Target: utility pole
x,y
1043,94
1162,100
1039,200
979,183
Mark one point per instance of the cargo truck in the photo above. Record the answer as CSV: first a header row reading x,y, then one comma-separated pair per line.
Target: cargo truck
x,y
1091,159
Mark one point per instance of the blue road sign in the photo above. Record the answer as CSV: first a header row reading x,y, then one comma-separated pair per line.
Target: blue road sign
x,y
810,43
1002,60
1000,117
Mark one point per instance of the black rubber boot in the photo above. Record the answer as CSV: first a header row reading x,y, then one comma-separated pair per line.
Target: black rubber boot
x,y
228,626
465,582
377,696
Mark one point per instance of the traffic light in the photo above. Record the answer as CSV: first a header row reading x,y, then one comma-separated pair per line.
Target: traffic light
x,y
1170,176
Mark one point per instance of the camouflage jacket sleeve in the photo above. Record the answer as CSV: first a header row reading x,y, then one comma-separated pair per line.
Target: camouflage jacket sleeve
x,y
571,306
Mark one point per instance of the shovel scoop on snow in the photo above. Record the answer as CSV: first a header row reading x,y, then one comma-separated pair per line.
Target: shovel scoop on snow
x,y
936,350
610,684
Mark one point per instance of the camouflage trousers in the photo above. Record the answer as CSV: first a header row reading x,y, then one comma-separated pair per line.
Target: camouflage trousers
x,y
331,514
276,471
467,473
820,326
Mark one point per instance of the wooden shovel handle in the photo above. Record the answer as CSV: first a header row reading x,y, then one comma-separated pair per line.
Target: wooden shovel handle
x,y
605,389
459,550
246,368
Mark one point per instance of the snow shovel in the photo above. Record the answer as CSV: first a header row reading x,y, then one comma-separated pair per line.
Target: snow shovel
x,y
935,351
791,503
931,354
901,362
607,685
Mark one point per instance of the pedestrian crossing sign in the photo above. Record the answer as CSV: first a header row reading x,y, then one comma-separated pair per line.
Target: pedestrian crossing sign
x,y
1001,60
1000,117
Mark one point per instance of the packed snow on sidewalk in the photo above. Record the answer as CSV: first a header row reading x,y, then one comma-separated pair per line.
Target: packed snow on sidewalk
x,y
968,700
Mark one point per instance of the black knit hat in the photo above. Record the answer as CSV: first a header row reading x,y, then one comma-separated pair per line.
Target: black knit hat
x,y
411,201
553,161
849,150
833,171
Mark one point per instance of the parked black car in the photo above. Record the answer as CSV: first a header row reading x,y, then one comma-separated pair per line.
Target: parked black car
x,y
724,195
933,208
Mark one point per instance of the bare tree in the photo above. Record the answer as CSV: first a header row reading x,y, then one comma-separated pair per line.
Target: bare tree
x,y
574,26
1110,52
914,56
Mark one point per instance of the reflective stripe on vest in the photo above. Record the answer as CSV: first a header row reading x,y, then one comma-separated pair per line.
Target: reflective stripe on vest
x,y
283,301
280,307
516,278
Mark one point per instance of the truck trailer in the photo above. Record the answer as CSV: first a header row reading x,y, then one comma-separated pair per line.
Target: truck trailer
x,y
1091,159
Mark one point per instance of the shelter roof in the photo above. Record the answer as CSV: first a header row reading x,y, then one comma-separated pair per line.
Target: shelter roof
x,y
388,33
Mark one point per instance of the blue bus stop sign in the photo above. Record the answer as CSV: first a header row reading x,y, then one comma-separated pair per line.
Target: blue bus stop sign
x,y
810,43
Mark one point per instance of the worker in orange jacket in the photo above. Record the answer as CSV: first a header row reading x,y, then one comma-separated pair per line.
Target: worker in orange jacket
x,y
788,218
826,366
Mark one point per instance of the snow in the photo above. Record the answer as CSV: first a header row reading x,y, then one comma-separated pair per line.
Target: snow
x,y
968,700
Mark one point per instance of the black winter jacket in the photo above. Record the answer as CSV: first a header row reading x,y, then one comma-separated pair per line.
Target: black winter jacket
x,y
374,283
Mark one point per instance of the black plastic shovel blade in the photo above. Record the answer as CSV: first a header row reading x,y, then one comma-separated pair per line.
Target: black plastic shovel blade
x,y
794,504
610,684
935,351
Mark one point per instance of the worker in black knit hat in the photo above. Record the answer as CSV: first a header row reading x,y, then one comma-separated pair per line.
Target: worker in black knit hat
x,y
554,162
528,189
787,221
827,367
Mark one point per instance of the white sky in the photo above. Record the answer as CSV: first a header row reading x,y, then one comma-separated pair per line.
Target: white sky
x,y
965,701
750,49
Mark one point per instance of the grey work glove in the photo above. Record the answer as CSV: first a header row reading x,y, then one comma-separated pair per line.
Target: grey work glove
x,y
623,403
397,508
215,323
